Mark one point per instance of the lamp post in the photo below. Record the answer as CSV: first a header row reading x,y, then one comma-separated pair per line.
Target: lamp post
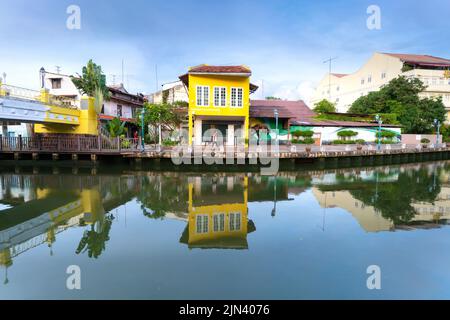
x,y
437,124
378,119
142,129
275,113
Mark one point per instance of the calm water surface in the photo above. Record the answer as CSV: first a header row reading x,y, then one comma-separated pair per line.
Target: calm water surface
x,y
160,235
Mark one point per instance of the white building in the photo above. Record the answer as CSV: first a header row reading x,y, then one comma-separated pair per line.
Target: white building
x,y
170,93
121,104
344,89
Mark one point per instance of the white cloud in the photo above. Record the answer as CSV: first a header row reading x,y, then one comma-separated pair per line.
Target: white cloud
x,y
302,91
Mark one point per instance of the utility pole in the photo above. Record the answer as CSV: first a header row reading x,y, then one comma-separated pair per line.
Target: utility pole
x,y
122,71
156,76
329,76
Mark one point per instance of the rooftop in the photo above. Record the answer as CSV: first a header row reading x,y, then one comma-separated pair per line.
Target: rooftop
x,y
421,59
204,68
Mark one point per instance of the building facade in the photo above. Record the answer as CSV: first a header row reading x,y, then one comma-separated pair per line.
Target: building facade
x,y
344,89
121,104
170,93
219,101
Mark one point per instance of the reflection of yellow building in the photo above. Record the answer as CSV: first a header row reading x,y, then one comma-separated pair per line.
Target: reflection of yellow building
x,y
369,219
372,220
223,226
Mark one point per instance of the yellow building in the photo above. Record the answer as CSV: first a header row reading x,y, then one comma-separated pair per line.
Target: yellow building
x,y
219,101
218,222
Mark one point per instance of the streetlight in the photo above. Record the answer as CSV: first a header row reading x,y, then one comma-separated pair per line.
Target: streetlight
x,y
437,124
275,113
378,119
142,129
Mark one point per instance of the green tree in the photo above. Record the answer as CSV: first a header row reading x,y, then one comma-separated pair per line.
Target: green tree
x,y
159,114
94,240
92,82
116,128
324,106
400,97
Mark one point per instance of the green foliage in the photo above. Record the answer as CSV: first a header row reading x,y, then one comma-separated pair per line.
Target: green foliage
x,y
401,98
272,98
397,202
324,106
306,137
347,133
125,143
387,134
307,140
305,133
155,115
344,141
360,141
116,128
181,104
425,141
385,141
94,240
92,81
169,143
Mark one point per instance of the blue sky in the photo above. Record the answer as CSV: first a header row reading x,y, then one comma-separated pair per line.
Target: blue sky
x,y
284,42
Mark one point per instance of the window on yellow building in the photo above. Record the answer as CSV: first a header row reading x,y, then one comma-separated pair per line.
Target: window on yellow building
x,y
236,97
220,96
203,96
235,221
202,223
219,222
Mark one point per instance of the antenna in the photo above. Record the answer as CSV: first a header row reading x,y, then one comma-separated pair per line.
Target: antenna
x,y
262,89
329,75
122,70
156,75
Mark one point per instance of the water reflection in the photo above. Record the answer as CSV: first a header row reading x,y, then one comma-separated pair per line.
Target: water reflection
x,y
37,208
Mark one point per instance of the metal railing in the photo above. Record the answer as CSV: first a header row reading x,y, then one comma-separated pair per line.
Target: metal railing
x,y
19,92
69,144
35,96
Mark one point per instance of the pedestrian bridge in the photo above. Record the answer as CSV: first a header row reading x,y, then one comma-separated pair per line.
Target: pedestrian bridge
x,y
30,106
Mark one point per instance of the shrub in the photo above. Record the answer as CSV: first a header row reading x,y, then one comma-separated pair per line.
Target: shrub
x,y
360,141
305,134
388,134
125,144
347,133
425,141
169,143
344,142
308,140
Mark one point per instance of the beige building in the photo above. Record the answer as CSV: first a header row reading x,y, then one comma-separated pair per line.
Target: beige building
x,y
344,89
170,93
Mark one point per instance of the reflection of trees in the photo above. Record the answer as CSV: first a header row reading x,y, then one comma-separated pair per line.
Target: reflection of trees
x,y
162,194
94,240
394,199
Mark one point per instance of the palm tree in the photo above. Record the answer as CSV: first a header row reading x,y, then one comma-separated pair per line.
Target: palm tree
x,y
116,128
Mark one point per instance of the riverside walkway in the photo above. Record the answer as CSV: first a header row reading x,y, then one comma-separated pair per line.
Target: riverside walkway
x,y
95,146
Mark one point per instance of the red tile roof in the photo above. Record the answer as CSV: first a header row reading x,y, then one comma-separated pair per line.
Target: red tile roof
x,y
421,59
286,109
339,75
220,69
299,114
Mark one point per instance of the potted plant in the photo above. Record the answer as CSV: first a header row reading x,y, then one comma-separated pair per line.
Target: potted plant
x,y
359,144
424,142
308,141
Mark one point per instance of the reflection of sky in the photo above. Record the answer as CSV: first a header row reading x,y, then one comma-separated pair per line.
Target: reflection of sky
x,y
305,251
4,207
